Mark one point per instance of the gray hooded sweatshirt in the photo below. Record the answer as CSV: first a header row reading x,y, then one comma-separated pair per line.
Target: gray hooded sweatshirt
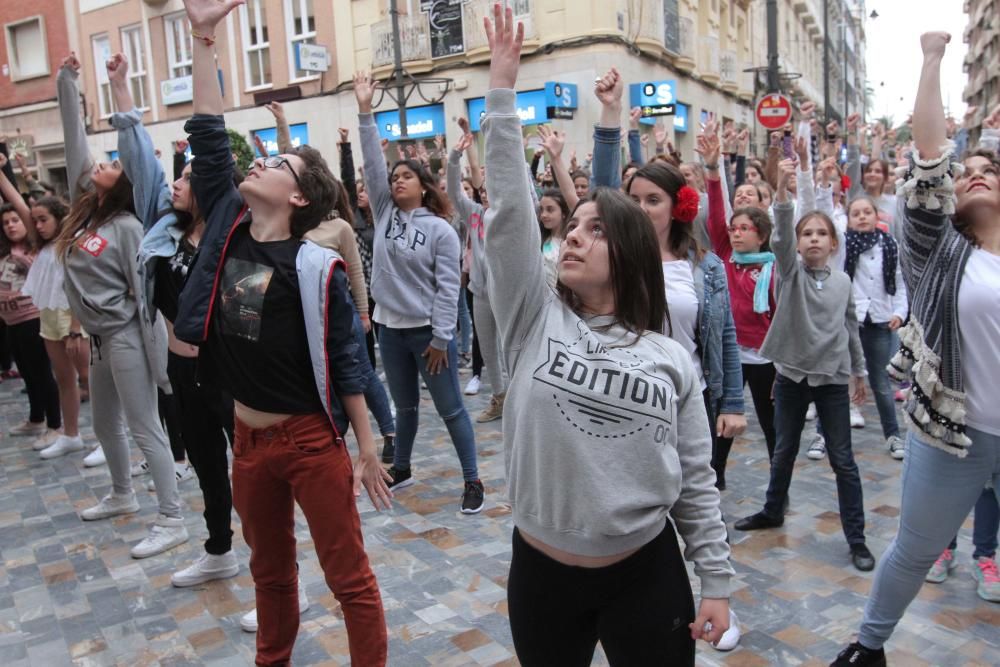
x,y
415,258
605,432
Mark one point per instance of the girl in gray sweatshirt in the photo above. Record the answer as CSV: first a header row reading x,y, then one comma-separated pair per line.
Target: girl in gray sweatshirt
x,y
605,433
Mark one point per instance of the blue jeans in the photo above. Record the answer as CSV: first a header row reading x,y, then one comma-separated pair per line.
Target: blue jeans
x,y
375,396
464,323
939,490
985,523
791,400
876,340
404,367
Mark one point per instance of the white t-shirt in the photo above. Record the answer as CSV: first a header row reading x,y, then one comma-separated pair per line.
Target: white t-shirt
x,y
979,325
682,304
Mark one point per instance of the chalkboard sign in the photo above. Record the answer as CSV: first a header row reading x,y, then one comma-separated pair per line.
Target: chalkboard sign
x,y
446,29
671,26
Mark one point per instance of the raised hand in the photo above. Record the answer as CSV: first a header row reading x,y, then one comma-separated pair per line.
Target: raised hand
x,y
933,44
180,146
808,110
204,15
505,40
463,124
853,123
117,68
411,150
439,142
259,143
644,140
660,133
22,163
609,88
71,62
992,121
364,91
776,138
709,148
827,168
634,114
344,135
743,140
802,149
552,141
276,110
786,171
463,143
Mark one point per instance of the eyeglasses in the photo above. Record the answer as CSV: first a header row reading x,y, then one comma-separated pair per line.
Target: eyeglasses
x,y
742,229
275,162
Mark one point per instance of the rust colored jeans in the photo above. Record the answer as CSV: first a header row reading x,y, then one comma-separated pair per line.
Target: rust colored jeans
x,y
300,460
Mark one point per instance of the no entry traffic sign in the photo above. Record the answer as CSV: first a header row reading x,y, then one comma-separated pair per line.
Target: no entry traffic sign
x,y
773,111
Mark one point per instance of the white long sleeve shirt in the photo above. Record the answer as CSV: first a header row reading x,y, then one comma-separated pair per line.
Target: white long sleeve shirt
x,y
870,297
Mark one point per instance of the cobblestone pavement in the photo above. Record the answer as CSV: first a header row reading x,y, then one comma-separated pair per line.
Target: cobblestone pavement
x,y
71,594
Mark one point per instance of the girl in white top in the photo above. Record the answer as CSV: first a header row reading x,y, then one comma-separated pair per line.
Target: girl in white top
x,y
552,216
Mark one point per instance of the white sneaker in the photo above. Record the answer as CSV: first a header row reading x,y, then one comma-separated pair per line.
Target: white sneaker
x,y
166,533
897,448
95,458
208,567
184,472
817,448
140,468
63,445
472,388
811,412
857,419
249,620
45,440
111,505
731,637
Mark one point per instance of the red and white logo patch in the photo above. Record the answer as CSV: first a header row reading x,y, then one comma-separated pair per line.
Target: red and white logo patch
x,y
93,244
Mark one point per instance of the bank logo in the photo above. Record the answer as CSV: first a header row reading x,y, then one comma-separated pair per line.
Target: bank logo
x,y
604,393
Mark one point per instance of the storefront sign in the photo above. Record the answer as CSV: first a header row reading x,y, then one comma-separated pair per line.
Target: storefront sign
x,y
311,58
681,117
269,136
421,122
655,98
531,107
176,91
561,99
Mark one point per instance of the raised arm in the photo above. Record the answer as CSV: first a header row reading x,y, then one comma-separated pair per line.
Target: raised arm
x,y
853,158
472,155
347,176
783,237
136,153
463,205
805,188
11,195
553,142
634,138
281,124
376,173
518,287
930,133
708,148
180,157
607,133
79,164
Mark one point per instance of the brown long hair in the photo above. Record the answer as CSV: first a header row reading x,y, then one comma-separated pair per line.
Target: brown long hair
x,y
434,200
963,223
57,208
90,212
30,240
634,258
669,178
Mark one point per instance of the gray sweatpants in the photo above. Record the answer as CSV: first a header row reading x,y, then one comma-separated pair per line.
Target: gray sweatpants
x,y
489,342
123,391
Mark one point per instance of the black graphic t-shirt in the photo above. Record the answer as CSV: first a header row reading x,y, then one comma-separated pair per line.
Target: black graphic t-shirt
x,y
171,274
258,336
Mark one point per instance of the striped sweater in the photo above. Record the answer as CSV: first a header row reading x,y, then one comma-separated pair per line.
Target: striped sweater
x,y
933,257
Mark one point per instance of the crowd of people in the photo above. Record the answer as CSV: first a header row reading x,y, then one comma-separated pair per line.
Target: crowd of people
x,y
616,313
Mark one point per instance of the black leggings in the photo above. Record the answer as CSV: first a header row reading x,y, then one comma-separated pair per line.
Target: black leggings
x,y
28,350
477,356
166,404
760,377
206,421
638,608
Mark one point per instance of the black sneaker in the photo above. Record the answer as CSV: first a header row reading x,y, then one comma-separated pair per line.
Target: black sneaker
x,y
757,522
473,498
862,558
857,655
400,478
388,449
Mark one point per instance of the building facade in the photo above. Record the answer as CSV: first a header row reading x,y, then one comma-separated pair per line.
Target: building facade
x,y
982,61
693,57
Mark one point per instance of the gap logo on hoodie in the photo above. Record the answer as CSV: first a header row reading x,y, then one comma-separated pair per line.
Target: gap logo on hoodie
x,y
403,234
606,392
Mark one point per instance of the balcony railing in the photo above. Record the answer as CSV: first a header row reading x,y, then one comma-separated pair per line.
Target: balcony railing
x,y
708,60
475,10
414,38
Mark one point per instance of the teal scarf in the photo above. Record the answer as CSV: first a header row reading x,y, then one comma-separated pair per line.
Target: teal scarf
x,y
762,292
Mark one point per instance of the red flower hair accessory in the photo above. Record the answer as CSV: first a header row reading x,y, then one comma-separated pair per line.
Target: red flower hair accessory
x,y
686,205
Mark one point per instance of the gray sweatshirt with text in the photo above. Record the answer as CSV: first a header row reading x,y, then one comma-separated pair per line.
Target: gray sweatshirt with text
x,y
605,432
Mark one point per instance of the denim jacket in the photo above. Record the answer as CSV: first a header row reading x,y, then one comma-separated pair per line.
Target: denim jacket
x,y
720,354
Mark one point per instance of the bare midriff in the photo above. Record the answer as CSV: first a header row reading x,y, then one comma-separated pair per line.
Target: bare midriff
x,y
256,419
575,560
